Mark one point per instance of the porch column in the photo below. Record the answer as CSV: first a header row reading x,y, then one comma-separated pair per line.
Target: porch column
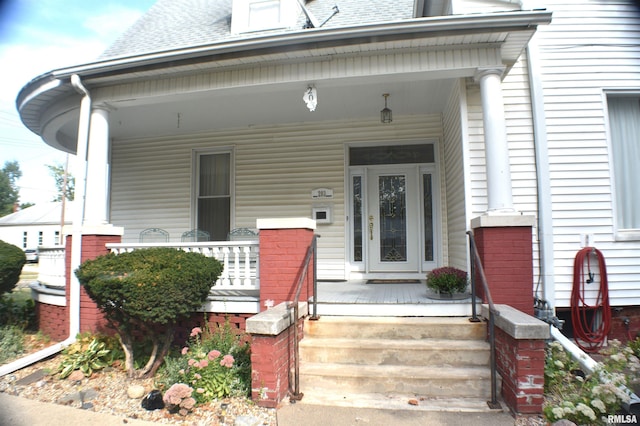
x,y
97,167
495,140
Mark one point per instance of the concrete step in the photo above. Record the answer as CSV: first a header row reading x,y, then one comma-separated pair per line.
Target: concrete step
x,y
370,351
404,403
428,382
395,328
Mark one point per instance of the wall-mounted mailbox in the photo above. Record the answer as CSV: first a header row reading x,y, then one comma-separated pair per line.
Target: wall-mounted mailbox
x,y
322,214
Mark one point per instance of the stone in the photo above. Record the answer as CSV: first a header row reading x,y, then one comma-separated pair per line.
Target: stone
x,y
33,377
153,401
247,421
76,376
136,391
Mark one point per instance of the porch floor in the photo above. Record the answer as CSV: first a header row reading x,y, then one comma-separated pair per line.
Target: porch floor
x,y
397,299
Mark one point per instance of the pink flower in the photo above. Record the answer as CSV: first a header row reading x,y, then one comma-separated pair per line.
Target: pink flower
x,y
200,390
196,331
181,371
192,362
203,363
185,350
213,355
227,361
197,376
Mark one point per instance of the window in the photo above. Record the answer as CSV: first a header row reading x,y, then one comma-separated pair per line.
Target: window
x,y
40,237
213,194
24,240
259,15
624,124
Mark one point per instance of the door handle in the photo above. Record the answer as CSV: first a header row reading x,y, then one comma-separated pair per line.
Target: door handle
x,y
371,228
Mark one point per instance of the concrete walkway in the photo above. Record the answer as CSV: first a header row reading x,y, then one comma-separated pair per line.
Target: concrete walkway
x,y
320,415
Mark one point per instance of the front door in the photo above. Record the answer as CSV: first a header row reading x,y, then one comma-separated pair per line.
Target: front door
x,y
393,215
392,219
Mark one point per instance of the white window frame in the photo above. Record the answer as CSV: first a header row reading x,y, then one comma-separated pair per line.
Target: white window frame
x,y
195,182
620,233
244,19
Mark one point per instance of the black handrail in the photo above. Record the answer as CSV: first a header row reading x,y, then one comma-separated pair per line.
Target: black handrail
x,y
493,312
296,395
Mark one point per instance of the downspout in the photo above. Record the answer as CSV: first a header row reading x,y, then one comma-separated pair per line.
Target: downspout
x,y
545,227
76,242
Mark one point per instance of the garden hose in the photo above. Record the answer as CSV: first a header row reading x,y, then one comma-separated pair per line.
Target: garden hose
x,y
590,329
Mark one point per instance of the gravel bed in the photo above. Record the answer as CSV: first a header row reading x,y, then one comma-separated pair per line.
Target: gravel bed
x,y
106,392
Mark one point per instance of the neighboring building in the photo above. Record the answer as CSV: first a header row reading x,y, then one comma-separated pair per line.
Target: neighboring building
x,y
214,114
35,226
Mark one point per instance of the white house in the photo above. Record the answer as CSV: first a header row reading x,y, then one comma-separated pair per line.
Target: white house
x,y
35,226
211,115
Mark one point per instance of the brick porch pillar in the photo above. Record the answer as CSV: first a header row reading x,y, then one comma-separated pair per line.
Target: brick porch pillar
x,y
506,250
283,247
93,245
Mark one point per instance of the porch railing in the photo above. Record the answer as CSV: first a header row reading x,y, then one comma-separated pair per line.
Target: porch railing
x,y
477,271
239,258
302,275
51,266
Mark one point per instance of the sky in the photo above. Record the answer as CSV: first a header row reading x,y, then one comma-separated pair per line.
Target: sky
x,y
38,36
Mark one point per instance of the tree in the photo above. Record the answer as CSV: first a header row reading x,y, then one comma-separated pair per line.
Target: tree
x,y
9,192
145,293
65,183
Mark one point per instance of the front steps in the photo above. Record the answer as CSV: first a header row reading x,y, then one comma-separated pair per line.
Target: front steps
x,y
419,363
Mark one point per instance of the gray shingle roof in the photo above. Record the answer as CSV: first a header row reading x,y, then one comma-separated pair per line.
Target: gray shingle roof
x,y
43,214
176,24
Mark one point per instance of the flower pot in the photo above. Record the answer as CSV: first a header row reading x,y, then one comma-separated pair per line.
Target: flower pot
x,y
447,296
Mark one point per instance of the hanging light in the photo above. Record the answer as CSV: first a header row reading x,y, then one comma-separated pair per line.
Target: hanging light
x,y
386,115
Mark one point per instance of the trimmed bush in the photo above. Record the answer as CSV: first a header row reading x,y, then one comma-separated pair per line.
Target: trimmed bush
x,y
146,292
12,259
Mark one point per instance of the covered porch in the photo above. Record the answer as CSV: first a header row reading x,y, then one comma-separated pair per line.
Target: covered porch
x,y
238,288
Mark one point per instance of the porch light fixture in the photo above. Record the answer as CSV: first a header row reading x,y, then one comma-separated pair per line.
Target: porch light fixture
x,y
386,115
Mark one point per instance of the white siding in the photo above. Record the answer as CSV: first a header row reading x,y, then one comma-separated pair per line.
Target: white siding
x,y
588,48
276,167
455,223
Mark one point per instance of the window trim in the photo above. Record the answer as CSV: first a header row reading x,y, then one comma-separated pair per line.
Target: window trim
x,y
619,233
195,167
240,16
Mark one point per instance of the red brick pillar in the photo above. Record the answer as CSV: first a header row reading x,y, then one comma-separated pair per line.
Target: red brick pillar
x,y
93,245
520,356
272,357
506,249
283,247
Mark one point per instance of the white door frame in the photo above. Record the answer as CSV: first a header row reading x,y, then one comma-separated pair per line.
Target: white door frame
x,y
358,269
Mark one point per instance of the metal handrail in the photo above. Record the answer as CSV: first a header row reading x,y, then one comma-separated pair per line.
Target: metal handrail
x,y
311,254
493,312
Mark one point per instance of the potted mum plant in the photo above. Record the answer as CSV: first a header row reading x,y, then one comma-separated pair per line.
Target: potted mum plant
x,y
447,283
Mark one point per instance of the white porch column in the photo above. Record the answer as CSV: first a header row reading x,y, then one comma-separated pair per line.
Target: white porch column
x,y
500,198
97,168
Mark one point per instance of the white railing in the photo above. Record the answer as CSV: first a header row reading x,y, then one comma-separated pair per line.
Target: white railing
x,y
239,258
51,266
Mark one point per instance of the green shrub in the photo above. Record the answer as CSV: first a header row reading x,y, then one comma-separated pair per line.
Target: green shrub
x,y
12,259
215,363
17,310
145,292
11,342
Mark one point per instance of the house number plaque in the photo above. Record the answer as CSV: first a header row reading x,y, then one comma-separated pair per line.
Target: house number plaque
x,y
322,193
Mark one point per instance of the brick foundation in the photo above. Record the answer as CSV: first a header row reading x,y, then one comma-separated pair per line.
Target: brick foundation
x,y
507,258
53,321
